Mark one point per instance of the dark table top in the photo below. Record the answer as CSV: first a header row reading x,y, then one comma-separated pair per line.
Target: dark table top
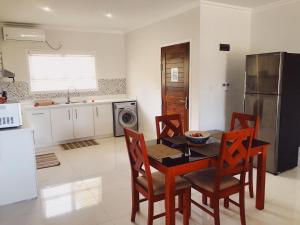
x,y
192,153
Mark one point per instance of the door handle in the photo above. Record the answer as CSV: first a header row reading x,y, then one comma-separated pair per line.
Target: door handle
x,y
261,108
35,114
69,114
97,112
76,113
186,103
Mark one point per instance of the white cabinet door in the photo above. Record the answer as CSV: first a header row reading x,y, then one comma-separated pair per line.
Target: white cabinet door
x,y
40,121
62,124
103,120
83,121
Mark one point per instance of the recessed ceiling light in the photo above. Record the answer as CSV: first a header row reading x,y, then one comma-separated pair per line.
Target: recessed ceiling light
x,y
46,9
108,15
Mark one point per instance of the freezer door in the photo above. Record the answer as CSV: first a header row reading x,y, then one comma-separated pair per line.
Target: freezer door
x,y
263,73
252,74
266,107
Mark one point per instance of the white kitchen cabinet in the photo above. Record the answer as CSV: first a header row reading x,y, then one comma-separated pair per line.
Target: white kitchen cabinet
x,y
62,124
83,121
103,119
40,121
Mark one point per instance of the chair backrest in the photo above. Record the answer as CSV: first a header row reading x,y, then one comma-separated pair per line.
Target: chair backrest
x,y
138,157
234,154
168,126
244,121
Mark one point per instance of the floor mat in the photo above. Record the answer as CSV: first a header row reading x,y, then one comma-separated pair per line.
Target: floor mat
x,y
46,160
79,144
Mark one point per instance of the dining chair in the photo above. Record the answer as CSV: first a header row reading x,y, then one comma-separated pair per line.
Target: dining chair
x,y
219,182
151,185
168,126
244,121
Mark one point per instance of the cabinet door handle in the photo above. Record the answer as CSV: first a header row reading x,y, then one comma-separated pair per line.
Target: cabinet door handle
x,y
76,113
69,114
97,112
35,114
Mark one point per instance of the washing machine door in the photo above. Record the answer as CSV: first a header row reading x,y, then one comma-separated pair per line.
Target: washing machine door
x,y
127,118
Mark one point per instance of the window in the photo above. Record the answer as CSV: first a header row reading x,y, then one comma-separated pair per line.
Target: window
x,y
59,72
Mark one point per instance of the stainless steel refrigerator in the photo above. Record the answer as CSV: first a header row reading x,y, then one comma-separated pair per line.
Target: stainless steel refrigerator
x,y
272,91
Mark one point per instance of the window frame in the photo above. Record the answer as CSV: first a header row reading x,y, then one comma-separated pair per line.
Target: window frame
x,y
28,53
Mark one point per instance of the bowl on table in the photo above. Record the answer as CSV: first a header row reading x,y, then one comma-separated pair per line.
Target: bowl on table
x,y
197,137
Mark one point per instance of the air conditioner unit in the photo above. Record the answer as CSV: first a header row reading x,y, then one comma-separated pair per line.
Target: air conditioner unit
x,y
23,34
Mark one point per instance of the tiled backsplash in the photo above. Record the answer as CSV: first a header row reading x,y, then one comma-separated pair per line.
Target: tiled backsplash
x,y
19,91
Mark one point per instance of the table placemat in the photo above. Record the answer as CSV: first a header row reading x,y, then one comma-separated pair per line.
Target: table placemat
x,y
209,150
177,140
161,151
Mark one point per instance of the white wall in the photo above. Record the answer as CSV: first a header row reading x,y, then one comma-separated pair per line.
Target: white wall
x,y
109,50
276,28
143,48
206,27
227,25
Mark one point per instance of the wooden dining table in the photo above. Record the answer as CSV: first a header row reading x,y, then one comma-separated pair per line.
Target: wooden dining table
x,y
176,163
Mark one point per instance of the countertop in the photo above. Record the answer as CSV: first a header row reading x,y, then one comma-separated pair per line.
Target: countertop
x,y
79,103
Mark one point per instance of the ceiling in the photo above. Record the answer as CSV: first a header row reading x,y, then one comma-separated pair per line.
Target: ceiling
x,y
93,14
90,14
246,3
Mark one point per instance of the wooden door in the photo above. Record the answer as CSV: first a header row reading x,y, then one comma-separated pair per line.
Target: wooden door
x,y
175,81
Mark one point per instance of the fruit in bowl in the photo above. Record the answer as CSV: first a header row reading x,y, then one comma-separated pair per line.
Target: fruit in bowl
x,y
197,137
2,100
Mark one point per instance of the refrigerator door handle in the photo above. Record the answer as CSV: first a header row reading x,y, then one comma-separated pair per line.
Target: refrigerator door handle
x,y
255,108
260,109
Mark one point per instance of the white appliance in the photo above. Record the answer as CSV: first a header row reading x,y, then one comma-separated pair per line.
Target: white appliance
x,y
17,165
23,34
125,116
10,115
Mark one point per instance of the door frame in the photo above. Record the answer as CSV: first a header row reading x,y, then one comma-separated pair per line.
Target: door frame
x,y
167,44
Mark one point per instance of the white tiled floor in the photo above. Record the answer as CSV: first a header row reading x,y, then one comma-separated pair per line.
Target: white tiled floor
x,y
92,187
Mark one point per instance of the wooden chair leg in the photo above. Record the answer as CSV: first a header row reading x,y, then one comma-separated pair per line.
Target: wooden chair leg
x,y
186,206
242,206
216,208
226,202
135,204
250,179
190,202
204,199
211,203
180,203
150,212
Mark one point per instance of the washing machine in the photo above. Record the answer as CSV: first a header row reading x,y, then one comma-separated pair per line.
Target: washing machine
x,y
125,115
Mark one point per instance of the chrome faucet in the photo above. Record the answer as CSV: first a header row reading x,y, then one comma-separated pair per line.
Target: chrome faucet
x,y
68,97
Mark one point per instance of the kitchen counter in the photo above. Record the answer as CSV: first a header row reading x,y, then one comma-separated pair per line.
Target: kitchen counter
x,y
27,106
63,123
